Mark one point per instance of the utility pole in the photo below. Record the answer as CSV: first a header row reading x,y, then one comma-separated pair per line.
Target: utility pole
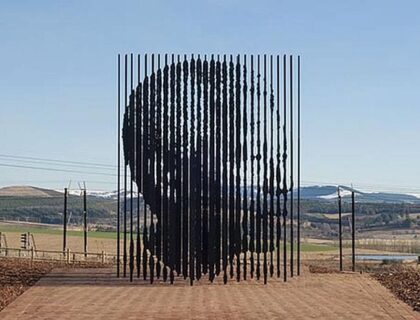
x,y
65,221
84,222
340,229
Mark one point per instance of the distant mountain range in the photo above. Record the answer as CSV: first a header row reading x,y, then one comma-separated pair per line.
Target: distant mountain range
x,y
329,193
321,193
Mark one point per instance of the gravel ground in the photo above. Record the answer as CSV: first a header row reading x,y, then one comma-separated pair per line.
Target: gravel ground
x,y
404,282
17,275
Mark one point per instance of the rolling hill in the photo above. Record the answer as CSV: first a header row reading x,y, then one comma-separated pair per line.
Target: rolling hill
x,y
318,205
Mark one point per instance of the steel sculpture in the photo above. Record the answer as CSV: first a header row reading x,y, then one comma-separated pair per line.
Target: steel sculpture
x,y
205,143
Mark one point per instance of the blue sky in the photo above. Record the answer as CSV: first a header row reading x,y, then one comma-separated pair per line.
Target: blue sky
x,y
360,79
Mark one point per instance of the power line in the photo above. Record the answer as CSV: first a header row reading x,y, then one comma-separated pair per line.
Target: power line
x,y
58,161
88,165
56,170
9,159
11,181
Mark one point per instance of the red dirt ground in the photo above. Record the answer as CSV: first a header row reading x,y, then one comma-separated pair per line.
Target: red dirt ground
x,y
97,294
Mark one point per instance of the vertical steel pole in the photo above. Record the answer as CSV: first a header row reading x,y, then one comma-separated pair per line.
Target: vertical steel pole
x,y
185,170
292,239
118,164
198,223
205,166
231,142
278,169
218,170
125,181
271,168
145,161
172,172
221,71
265,173
285,191
138,162
258,200
192,252
159,169
245,160
132,131
166,204
152,148
298,169
212,182
238,147
340,229
222,78
178,165
65,221
252,154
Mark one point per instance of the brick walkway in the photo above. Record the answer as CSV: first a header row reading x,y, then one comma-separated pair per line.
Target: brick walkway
x,y
97,294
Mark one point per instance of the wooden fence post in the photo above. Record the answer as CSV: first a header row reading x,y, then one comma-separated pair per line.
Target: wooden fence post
x,y
32,255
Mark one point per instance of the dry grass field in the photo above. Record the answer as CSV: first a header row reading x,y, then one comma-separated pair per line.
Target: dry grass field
x,y
50,238
45,241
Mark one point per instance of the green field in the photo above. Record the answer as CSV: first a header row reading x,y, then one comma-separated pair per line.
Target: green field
x,y
312,247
